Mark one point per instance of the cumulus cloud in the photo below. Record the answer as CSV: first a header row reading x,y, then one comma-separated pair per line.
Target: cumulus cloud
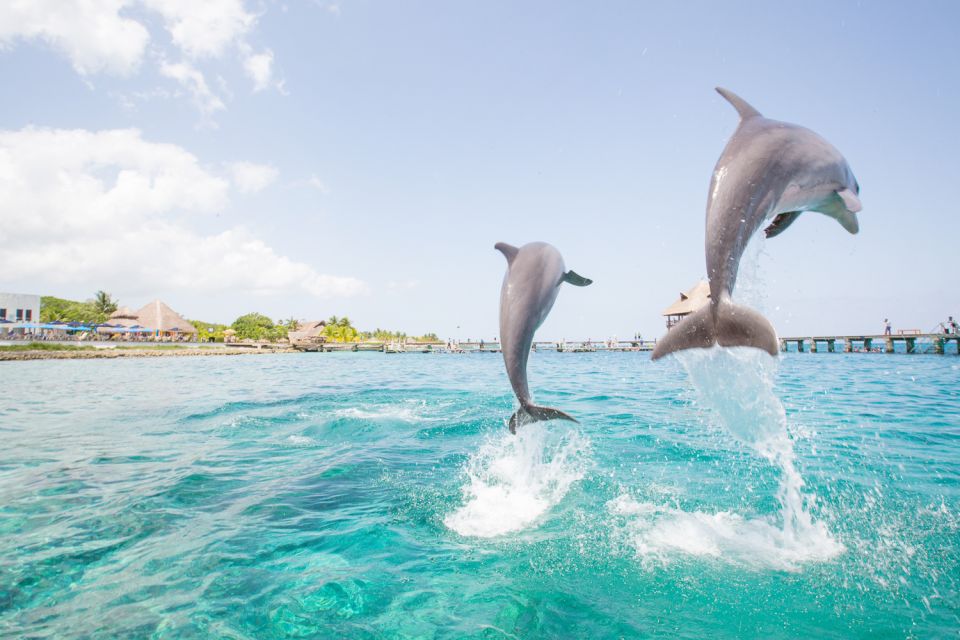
x,y
206,28
191,79
112,36
259,67
91,33
250,177
79,207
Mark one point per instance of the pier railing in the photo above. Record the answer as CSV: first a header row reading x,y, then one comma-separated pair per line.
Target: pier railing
x,y
881,343
476,346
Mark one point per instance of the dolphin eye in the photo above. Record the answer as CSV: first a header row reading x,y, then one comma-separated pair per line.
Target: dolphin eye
x,y
856,186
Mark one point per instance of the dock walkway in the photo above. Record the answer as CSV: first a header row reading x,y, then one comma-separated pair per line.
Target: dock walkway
x,y
913,343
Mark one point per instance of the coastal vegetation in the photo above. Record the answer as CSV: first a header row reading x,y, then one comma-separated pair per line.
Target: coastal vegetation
x,y
52,308
104,304
256,326
208,330
342,330
45,346
251,326
385,335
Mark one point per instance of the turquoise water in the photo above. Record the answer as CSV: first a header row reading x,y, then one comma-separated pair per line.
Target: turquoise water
x,y
376,496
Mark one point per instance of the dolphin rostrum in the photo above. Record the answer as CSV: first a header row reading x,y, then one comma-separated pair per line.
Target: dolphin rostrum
x,y
768,169
535,272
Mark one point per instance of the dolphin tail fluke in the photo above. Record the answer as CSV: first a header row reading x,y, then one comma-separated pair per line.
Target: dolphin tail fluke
x,y
733,326
534,413
696,331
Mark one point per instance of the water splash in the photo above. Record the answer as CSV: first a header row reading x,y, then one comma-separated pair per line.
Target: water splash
x,y
512,481
736,385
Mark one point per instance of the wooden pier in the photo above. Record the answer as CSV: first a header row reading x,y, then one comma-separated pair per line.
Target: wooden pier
x,y
913,342
568,346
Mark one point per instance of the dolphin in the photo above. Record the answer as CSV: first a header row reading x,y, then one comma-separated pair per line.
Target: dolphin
x,y
768,169
535,272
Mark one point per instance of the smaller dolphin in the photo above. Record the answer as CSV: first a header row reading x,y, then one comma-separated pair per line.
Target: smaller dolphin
x,y
768,169
535,272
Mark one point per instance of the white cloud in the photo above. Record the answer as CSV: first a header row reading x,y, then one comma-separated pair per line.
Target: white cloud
x,y
92,33
193,81
259,67
205,28
111,36
78,207
250,177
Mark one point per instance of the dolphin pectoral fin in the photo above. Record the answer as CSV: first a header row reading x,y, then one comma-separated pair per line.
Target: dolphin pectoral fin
x,y
534,413
696,331
508,250
837,208
742,106
576,279
780,223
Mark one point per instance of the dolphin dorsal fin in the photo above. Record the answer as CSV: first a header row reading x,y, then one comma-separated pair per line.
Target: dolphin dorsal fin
x,y
508,250
742,106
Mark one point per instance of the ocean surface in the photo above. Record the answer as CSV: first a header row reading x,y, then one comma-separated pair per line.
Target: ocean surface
x,y
723,494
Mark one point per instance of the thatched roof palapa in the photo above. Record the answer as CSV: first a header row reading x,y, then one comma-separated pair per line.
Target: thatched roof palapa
x,y
123,316
690,301
157,315
307,330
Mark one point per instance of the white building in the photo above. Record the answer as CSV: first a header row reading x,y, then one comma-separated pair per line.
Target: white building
x,y
19,307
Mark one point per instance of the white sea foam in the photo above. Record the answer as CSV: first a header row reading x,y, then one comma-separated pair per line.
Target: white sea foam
x,y
301,441
736,386
405,412
512,481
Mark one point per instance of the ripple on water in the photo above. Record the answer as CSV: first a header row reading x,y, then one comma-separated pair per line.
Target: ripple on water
x,y
361,496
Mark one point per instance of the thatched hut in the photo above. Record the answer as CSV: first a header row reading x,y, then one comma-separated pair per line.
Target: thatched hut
x,y
308,331
160,317
689,302
229,335
124,317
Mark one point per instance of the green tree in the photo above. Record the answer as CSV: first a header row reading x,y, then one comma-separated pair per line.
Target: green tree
x,y
104,304
53,308
203,330
253,326
340,330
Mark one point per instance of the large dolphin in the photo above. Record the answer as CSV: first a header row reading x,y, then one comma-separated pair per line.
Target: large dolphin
x,y
768,169
535,272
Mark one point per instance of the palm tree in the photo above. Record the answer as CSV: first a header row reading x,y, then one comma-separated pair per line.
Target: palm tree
x,y
104,304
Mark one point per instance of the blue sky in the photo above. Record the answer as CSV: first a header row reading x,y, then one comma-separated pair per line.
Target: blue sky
x,y
361,158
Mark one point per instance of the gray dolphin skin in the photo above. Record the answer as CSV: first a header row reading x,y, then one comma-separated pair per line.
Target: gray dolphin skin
x,y
768,169
535,272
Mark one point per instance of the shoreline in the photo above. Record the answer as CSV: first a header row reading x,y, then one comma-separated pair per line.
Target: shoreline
x,y
95,354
